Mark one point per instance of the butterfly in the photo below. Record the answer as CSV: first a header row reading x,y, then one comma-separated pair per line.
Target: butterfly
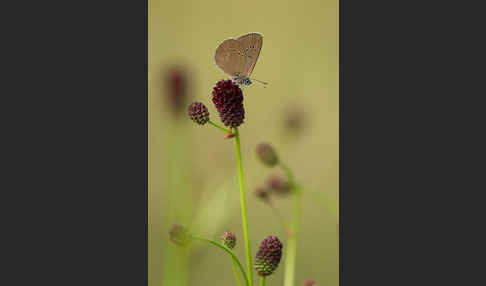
x,y
237,57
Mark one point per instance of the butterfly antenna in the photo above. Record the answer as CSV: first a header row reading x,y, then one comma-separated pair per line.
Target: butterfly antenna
x,y
264,84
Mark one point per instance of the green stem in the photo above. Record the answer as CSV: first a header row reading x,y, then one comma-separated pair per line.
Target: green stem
x,y
243,206
235,269
176,272
235,258
220,127
290,261
262,281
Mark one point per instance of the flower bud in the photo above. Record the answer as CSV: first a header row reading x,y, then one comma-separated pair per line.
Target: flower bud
x,y
229,239
295,120
179,235
268,255
198,113
278,184
262,193
309,282
267,154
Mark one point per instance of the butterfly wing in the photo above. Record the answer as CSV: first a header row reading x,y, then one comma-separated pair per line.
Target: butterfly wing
x,y
252,44
230,57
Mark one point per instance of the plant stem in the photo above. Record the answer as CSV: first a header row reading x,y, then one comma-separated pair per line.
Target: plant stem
x,y
290,261
218,126
243,206
235,269
262,281
176,273
235,258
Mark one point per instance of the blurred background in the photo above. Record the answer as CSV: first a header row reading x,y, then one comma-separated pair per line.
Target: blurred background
x,y
192,169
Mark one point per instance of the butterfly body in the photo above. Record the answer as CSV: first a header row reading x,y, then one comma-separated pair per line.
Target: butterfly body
x,y
237,57
241,80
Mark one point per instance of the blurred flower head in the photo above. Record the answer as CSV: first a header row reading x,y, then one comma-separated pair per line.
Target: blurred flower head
x,y
229,239
268,255
198,113
176,86
267,154
179,235
294,119
228,99
278,184
262,193
309,282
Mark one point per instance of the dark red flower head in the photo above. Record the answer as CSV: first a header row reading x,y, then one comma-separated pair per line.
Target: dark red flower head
x,y
228,99
268,255
176,88
198,113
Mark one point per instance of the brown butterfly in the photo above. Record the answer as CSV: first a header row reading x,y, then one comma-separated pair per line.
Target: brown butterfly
x,y
237,57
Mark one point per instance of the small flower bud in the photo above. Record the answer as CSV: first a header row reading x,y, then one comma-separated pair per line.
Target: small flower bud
x,y
229,239
262,193
267,154
309,282
295,120
179,235
228,99
268,255
198,113
278,184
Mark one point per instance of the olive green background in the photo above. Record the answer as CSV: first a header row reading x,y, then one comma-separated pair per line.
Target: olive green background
x,y
192,169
